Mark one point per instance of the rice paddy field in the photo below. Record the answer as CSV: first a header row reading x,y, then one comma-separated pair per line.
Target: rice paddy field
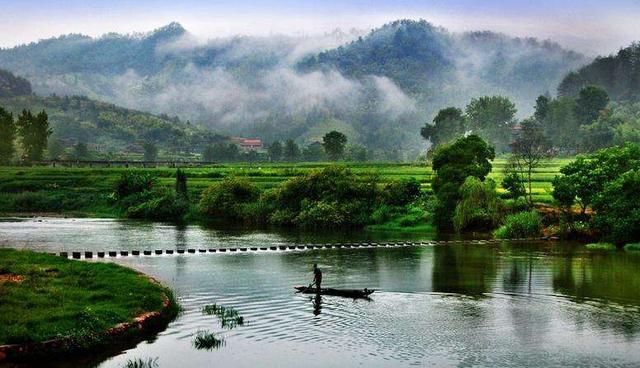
x,y
87,190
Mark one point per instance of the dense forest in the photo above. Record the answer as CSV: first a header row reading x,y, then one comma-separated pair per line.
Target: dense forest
x,y
618,74
377,88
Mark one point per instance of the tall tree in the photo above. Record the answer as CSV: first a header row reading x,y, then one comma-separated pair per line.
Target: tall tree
x,y
275,151
561,125
452,164
448,125
34,132
150,151
528,149
542,108
334,143
491,117
291,150
7,136
591,100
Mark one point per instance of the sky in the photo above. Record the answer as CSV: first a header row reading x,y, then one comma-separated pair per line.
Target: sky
x,y
589,26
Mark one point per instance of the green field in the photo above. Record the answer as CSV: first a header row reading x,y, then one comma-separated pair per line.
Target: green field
x,y
86,191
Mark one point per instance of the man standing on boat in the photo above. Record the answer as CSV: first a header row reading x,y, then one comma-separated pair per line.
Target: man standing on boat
x,y
317,277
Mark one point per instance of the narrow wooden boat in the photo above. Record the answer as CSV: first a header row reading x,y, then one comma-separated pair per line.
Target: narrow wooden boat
x,y
347,293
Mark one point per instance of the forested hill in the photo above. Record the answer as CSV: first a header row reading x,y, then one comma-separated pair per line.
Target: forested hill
x,y
618,74
378,88
11,85
110,129
421,58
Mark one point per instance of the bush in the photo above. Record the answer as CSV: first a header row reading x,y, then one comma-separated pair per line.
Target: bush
x,y
332,197
520,225
228,199
479,207
36,202
514,185
632,247
164,205
401,192
324,214
600,246
131,182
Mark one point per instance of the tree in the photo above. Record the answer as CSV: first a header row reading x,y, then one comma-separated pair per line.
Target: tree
x,y
334,143
561,125
209,153
449,124
55,149
7,136
492,119
542,108
452,164
150,151
357,153
601,133
34,132
587,175
617,209
80,151
479,207
275,151
529,149
591,100
513,184
181,184
291,150
314,152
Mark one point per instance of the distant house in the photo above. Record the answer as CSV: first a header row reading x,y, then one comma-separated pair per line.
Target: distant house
x,y
248,144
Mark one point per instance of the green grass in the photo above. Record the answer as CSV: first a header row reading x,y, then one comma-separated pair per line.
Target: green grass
x,y
206,340
65,298
228,316
600,246
86,191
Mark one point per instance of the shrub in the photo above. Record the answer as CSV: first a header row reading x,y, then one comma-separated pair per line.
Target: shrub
x,y
401,192
514,185
332,197
520,225
322,214
229,198
479,207
162,205
600,246
131,182
36,202
632,247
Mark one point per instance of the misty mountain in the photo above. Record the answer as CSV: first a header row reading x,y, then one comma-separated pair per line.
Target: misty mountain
x,y
378,88
11,85
618,74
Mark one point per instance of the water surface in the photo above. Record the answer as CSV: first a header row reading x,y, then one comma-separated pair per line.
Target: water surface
x,y
510,304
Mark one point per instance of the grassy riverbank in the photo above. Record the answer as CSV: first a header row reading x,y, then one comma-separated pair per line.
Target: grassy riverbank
x,y
44,297
87,191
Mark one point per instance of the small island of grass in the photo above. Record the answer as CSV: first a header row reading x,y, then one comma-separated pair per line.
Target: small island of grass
x,y
52,305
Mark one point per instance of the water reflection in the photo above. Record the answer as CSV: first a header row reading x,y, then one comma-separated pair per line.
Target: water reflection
x,y
482,305
317,304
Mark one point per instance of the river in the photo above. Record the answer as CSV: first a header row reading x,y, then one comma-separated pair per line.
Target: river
x,y
543,304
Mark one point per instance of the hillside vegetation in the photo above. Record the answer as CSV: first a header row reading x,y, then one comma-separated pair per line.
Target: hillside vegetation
x,y
380,88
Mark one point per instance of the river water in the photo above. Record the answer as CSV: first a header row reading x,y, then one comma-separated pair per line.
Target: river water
x,y
511,304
